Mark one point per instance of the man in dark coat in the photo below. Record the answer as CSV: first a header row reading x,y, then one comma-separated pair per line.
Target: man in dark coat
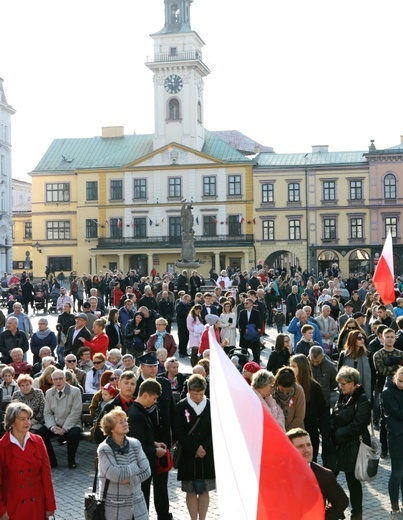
x,y
149,321
182,311
292,302
12,338
250,316
80,330
208,307
336,501
162,417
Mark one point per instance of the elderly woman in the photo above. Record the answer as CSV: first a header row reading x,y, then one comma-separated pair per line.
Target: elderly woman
x,y
349,421
100,341
263,385
34,398
290,396
9,386
93,379
43,337
115,360
162,338
20,366
25,475
193,431
173,375
123,466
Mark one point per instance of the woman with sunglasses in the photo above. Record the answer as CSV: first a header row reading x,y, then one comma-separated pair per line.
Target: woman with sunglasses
x,y
108,377
349,421
356,355
93,379
350,325
280,356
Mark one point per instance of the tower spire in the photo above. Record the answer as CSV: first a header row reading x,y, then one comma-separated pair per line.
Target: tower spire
x,y
177,16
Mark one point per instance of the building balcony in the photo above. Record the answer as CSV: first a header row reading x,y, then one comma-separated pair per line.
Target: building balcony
x,y
174,242
162,57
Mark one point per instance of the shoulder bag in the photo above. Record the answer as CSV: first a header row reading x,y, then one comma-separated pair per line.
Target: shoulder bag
x,y
177,449
94,507
366,466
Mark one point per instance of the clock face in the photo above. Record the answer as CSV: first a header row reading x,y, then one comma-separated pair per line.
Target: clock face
x,y
173,84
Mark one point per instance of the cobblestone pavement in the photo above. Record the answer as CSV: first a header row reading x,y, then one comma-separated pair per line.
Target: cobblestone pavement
x,y
71,485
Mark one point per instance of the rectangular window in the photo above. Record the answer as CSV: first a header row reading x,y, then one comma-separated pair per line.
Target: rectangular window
x,y
92,190
140,189
294,229
3,164
116,227
391,223
267,193
234,185
91,228
329,228
356,228
329,191
117,190
175,229
268,230
293,192
234,226
58,192
58,230
59,263
139,227
175,187
28,230
209,226
173,51
209,187
355,190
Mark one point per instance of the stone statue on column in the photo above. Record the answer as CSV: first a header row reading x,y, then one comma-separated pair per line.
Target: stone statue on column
x,y
188,249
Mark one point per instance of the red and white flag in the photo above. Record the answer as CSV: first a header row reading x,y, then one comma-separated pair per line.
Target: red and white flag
x,y
383,278
119,224
259,473
240,219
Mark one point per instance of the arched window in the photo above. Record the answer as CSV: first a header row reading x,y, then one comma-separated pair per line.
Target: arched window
x,y
173,108
389,188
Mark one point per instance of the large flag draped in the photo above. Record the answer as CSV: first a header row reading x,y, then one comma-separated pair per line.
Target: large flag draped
x,y
383,278
260,475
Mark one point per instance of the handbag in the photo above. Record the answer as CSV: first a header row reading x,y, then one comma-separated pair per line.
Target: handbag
x,y
177,449
366,466
163,464
252,333
94,508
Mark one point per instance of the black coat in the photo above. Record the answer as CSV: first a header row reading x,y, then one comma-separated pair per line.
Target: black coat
x,y
166,309
66,321
115,336
392,399
9,341
191,468
140,428
243,321
332,492
71,347
161,416
278,360
350,419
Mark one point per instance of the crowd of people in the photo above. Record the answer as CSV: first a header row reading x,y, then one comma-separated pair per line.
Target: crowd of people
x,y
335,365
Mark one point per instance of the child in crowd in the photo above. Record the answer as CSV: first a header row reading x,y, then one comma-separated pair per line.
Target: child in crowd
x,y
279,319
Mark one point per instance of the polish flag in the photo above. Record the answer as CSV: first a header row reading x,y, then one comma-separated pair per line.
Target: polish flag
x,y
383,277
119,225
259,473
240,219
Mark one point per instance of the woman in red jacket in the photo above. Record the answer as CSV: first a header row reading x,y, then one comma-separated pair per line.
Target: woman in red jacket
x,y
100,342
161,338
26,488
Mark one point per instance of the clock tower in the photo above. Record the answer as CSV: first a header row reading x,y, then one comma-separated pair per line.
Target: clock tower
x,y
178,79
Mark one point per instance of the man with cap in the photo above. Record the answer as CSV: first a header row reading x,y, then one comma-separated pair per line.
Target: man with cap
x,y
161,416
80,330
90,316
360,319
348,313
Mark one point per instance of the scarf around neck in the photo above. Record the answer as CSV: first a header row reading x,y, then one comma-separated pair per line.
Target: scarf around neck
x,y
42,334
284,400
198,408
159,343
116,448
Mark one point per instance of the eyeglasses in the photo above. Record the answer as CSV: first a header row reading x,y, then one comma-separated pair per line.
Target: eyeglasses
x,y
98,362
360,337
350,328
113,379
71,360
344,384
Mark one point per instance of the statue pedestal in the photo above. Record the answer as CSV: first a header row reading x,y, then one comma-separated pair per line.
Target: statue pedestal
x,y
187,265
188,259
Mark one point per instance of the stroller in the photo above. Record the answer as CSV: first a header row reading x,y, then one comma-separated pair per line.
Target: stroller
x,y
39,303
241,353
54,295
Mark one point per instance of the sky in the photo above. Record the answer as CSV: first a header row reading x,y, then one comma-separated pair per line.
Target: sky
x,y
287,74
